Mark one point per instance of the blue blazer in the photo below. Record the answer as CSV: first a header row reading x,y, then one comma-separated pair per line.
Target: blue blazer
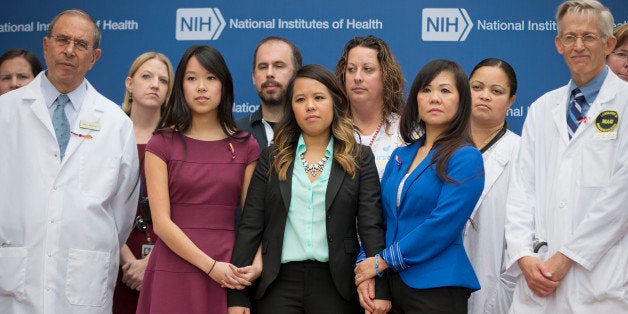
x,y
432,213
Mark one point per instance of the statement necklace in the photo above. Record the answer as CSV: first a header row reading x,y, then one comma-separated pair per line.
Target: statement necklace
x,y
316,168
376,133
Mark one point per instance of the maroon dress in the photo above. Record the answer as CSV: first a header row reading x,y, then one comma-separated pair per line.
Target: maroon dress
x,y
125,298
205,185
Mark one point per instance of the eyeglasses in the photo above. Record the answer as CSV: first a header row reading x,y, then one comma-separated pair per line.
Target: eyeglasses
x,y
620,55
63,40
587,40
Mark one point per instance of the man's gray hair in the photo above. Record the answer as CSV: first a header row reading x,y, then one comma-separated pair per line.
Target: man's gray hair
x,y
81,13
589,8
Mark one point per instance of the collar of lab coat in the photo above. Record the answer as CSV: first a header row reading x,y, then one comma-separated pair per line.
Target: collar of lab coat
x,y
89,112
605,97
495,163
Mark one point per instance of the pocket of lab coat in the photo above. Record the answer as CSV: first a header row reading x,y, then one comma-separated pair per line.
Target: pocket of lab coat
x,y
97,176
595,160
501,298
13,272
86,279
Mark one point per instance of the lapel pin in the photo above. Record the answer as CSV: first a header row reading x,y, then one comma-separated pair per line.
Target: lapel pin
x,y
232,150
85,136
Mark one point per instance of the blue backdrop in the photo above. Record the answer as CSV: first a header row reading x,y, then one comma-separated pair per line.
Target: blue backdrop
x,y
520,32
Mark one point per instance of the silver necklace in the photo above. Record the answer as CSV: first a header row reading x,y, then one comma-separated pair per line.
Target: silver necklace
x,y
315,168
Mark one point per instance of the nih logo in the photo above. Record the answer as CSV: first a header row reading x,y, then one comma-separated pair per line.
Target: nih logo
x,y
440,24
199,24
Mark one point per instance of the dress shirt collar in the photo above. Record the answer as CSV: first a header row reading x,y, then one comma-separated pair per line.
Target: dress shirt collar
x,y
51,93
328,150
592,89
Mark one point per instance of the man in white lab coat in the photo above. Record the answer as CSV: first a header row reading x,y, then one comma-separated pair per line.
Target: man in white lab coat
x,y
64,212
569,182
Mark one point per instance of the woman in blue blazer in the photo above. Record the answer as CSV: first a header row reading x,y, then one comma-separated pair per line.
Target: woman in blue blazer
x,y
429,190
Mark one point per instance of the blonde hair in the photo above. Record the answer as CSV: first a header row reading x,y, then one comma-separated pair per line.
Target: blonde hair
x,y
128,101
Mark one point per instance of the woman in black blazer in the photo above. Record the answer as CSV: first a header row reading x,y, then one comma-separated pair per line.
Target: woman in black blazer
x,y
307,192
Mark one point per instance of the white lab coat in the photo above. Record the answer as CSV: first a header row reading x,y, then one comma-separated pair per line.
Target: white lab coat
x,y
63,223
573,194
484,234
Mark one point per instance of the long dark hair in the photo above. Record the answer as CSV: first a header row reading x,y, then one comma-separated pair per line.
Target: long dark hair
x,y
457,133
177,116
345,148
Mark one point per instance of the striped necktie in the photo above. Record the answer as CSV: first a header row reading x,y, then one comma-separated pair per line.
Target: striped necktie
x,y
61,124
577,111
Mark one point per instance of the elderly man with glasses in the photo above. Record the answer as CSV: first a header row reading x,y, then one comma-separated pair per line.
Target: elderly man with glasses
x,y
68,183
569,180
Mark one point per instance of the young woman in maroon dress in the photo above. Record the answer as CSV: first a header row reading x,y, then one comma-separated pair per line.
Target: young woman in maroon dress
x,y
198,167
148,87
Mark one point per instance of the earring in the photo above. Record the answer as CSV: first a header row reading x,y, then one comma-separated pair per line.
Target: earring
x,y
130,98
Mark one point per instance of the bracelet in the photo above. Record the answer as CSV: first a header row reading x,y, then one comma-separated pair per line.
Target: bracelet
x,y
211,268
379,273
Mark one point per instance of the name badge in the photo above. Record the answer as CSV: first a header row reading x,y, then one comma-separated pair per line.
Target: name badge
x,y
605,136
89,125
606,124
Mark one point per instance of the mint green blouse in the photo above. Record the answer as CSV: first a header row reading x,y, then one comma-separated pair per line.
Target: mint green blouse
x,y
305,236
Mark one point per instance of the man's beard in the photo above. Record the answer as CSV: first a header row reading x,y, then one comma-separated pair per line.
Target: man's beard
x,y
271,100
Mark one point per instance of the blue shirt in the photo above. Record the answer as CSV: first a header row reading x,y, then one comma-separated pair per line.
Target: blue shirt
x,y
76,99
305,236
591,89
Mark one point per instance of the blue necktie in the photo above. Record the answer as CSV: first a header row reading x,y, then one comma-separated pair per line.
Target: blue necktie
x,y
577,111
61,124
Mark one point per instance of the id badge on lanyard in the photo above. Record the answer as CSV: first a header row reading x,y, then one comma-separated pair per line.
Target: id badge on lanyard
x,y
142,225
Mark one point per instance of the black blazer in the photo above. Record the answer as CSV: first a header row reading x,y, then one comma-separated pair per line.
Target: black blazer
x,y
347,199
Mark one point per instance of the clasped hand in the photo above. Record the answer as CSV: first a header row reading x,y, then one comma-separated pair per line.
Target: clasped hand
x,y
231,277
543,278
365,272
133,273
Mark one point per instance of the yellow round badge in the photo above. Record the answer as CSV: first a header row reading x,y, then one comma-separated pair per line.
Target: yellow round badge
x,y
607,121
